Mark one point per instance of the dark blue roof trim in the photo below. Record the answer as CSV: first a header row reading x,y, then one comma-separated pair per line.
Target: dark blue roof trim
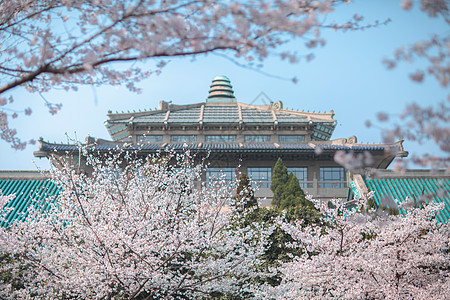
x,y
355,147
371,148
296,146
227,146
333,147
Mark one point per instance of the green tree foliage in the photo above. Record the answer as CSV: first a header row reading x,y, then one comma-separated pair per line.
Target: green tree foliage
x,y
278,249
279,179
12,277
245,195
286,189
293,207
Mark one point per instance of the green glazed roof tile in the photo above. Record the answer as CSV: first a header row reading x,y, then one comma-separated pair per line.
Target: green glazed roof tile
x,y
28,193
414,188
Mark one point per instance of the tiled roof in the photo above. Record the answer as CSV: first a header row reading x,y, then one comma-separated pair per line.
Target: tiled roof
x,y
225,113
353,147
370,148
216,146
289,118
57,147
296,146
28,193
253,115
152,118
334,147
221,109
221,114
228,146
414,188
190,115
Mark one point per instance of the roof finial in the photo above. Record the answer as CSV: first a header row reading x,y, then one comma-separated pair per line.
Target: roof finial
x,y
221,90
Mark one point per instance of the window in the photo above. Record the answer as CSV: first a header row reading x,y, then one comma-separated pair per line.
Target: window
x,y
302,175
257,138
228,174
110,173
291,138
183,138
330,174
142,139
183,173
316,136
262,176
324,128
220,138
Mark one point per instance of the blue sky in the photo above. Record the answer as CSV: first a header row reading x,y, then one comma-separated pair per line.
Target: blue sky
x,y
346,75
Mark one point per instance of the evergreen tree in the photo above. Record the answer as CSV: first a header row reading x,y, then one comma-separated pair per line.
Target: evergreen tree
x,y
286,189
279,250
245,196
279,180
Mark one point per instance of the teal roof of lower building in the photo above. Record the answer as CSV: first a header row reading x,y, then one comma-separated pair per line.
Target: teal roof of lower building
x,y
28,193
436,189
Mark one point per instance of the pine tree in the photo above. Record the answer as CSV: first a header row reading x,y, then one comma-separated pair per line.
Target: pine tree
x,y
279,180
286,189
245,196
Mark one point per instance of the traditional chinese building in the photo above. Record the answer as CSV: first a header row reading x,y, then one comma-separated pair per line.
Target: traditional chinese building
x,y
238,137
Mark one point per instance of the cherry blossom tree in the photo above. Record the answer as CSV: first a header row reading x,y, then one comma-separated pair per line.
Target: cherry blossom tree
x,y
47,44
368,255
417,123
149,230
380,256
424,123
435,50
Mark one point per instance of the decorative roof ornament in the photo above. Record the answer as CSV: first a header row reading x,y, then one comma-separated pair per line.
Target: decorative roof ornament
x,y
352,140
277,105
221,90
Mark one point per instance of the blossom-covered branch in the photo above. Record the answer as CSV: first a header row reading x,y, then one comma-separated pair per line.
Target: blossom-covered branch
x,y
150,230
368,256
64,44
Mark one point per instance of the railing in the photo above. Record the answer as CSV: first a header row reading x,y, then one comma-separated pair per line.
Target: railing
x,y
333,184
327,189
319,189
262,184
312,184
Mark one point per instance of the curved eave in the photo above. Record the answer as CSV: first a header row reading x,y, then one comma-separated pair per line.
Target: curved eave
x,y
47,149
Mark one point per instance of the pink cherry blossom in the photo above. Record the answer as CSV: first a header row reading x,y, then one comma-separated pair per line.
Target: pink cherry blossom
x,y
368,256
150,228
65,44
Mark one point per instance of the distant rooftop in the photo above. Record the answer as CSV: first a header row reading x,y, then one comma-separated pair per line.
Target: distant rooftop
x,y
221,111
416,188
37,193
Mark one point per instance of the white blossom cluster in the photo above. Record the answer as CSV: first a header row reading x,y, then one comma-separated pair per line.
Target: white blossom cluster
x,y
368,255
148,230
136,229
435,51
419,124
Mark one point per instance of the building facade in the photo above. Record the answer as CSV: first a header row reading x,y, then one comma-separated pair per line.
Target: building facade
x,y
238,137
